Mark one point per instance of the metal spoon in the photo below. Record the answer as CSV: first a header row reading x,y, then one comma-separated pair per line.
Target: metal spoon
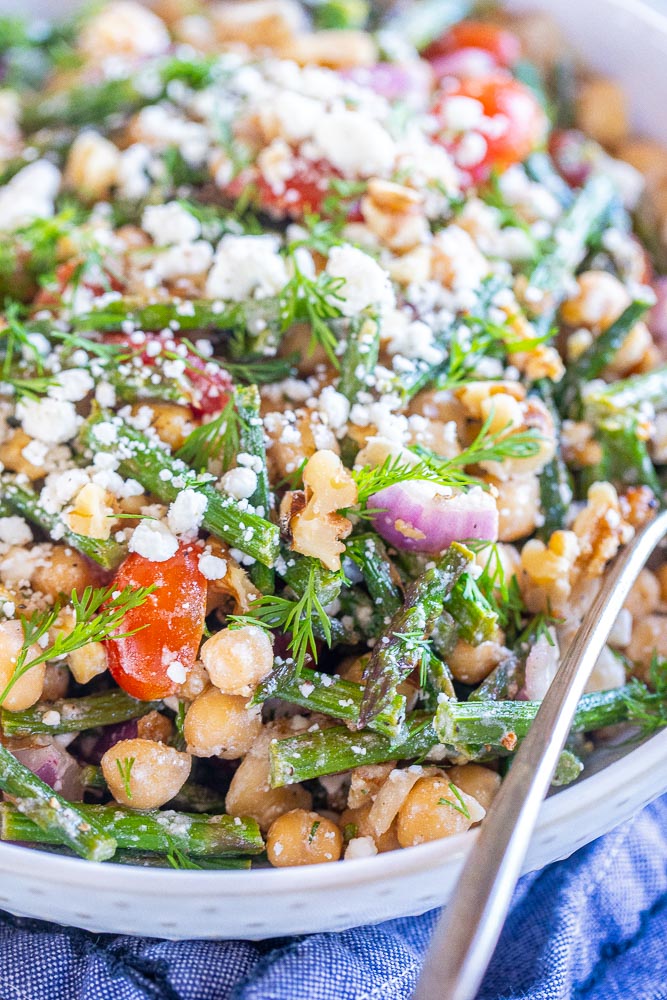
x,y
468,931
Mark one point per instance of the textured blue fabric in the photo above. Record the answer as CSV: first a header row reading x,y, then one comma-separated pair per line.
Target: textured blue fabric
x,y
593,927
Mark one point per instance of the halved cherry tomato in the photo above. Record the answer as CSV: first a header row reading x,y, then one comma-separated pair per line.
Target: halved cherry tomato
x,y
502,44
304,193
65,273
210,385
514,123
173,616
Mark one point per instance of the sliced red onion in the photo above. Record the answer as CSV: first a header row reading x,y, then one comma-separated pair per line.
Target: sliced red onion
x,y
409,82
541,666
94,750
55,766
422,517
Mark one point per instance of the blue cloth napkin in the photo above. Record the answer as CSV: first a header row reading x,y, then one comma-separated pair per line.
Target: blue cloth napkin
x,y
593,927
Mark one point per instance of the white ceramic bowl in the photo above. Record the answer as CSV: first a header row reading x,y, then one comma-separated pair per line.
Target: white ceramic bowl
x,y
627,39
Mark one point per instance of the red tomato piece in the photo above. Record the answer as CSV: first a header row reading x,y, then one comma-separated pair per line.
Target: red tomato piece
x,y
304,192
502,44
173,616
210,385
513,124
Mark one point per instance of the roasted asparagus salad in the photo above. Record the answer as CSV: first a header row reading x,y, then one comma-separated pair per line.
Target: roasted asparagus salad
x,y
332,379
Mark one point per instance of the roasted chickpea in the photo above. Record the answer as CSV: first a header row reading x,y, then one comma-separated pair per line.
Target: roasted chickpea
x,y
220,725
601,111
143,774
238,659
432,810
480,782
471,664
64,570
301,837
644,596
28,688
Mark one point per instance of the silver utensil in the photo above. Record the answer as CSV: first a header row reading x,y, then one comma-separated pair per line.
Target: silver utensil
x,y
468,931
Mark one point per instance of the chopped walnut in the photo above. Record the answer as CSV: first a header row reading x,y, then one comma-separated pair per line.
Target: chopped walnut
x,y
366,782
92,512
316,529
394,214
235,584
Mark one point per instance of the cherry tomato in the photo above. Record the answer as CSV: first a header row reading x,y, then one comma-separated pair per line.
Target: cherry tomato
x,y
210,385
173,616
513,124
304,193
65,274
502,44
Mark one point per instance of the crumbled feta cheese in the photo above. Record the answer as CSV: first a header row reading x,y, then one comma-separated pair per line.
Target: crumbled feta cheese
x,y
14,530
240,482
360,847
169,224
212,567
52,421
182,260
35,452
412,339
29,195
51,718
73,385
461,113
246,266
355,143
186,513
366,283
154,541
334,407
176,672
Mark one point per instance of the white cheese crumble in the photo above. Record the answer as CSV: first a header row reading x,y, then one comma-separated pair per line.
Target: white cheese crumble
x,y
245,266
73,385
240,483
14,530
355,143
29,195
212,567
169,224
154,541
52,421
366,283
360,847
176,672
186,513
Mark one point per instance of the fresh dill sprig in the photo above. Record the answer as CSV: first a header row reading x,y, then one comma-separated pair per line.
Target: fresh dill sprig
x,y
125,770
503,594
300,617
313,301
459,805
179,859
415,642
262,371
649,707
98,615
218,439
447,472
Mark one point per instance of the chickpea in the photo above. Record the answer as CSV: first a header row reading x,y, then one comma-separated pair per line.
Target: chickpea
x,y
358,818
518,503
648,157
599,300
62,571
155,727
27,689
301,837
661,574
649,636
432,811
480,782
220,725
172,423
644,596
541,39
92,165
143,774
238,659
86,662
250,793
471,664
601,111
12,457
124,28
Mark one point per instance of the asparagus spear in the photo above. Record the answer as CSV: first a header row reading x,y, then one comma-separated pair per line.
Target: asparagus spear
x,y
370,555
400,648
501,725
105,551
503,683
625,457
84,105
600,354
164,476
360,358
629,394
474,618
575,228
330,751
52,816
555,480
318,692
76,714
251,442
154,831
